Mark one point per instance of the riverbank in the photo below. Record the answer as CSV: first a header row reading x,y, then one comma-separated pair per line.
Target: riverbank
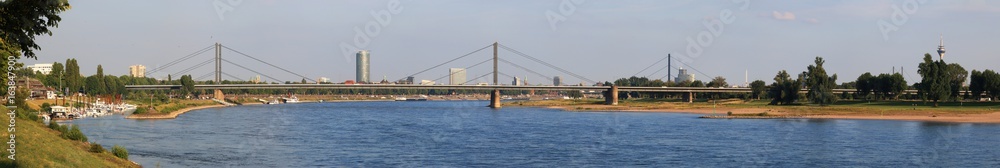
x,y
171,115
972,112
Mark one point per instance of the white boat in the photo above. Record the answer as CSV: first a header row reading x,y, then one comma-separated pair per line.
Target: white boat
x,y
292,99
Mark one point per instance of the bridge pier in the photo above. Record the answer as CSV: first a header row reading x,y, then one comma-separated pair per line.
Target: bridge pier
x,y
611,96
689,97
219,95
495,99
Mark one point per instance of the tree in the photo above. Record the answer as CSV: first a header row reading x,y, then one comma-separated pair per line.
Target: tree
x,y
697,83
56,75
187,85
757,88
897,84
718,81
936,82
976,84
784,90
94,85
74,80
22,20
820,84
991,83
864,85
957,78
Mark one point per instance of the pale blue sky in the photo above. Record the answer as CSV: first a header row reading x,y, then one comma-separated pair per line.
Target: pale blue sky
x,y
602,39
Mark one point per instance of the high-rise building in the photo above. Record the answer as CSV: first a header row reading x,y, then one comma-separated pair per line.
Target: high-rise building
x,y
516,82
363,67
457,76
255,79
941,48
43,68
137,71
683,75
409,80
556,81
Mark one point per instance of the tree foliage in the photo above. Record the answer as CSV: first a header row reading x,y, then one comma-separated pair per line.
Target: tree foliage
x,y
784,90
718,81
22,20
936,83
820,84
757,88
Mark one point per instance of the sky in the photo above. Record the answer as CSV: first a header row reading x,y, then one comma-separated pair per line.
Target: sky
x,y
602,40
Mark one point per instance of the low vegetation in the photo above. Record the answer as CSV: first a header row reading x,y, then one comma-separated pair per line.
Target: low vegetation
x,y
39,145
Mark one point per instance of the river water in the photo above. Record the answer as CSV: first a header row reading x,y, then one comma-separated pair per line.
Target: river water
x,y
467,134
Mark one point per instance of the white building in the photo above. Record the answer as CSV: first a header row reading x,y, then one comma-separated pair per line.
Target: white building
x,y
426,82
323,80
137,71
43,68
684,76
457,76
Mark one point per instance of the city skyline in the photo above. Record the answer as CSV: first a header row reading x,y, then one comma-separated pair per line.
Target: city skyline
x,y
307,36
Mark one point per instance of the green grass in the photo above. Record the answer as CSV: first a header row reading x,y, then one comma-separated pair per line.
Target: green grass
x,y
39,146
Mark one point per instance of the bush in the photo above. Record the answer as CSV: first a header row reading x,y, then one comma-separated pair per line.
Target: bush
x,y
75,134
140,110
762,114
120,152
53,125
96,148
729,113
63,129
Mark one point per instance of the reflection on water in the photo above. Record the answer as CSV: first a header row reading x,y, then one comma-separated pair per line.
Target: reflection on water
x,y
464,133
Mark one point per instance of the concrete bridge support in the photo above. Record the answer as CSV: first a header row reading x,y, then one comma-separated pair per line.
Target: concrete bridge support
x,y
611,96
219,95
689,97
495,99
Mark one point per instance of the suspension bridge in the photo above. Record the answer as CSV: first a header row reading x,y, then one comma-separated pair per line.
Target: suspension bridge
x,y
610,92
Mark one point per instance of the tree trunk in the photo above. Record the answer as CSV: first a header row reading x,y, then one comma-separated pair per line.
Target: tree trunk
x,y
935,103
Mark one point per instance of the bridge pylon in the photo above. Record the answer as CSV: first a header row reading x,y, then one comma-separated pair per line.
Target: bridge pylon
x,y
611,96
218,95
495,99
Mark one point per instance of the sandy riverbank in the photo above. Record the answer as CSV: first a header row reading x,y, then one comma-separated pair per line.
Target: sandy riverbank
x,y
171,115
931,116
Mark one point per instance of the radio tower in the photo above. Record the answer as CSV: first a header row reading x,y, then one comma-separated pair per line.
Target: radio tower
x,y
941,48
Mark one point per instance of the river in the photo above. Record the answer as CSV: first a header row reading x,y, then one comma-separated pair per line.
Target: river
x,y
467,134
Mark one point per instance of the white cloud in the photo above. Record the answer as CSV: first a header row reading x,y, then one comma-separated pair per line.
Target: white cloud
x,y
783,16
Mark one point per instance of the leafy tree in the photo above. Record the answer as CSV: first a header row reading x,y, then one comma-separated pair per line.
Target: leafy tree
x,y
74,80
820,84
991,83
976,84
784,90
94,85
864,85
757,87
957,76
936,82
22,20
187,85
697,83
718,81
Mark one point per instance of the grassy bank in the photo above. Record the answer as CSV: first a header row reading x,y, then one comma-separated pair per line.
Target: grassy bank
x,y
175,105
39,146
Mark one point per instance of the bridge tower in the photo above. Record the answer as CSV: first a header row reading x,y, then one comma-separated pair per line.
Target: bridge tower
x,y
495,95
218,72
